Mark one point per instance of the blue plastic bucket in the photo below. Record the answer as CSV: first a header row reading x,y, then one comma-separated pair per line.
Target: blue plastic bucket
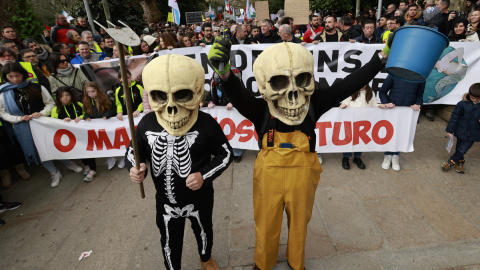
x,y
414,52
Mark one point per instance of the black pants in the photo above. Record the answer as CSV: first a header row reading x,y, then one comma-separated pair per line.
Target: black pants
x,y
11,153
171,223
90,162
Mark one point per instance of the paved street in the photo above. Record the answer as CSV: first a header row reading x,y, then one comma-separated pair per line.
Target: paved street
x,y
417,218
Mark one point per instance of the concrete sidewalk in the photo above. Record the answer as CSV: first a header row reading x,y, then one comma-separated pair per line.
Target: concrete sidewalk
x,y
417,218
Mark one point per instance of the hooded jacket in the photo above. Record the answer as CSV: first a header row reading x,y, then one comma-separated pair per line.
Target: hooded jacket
x,y
464,122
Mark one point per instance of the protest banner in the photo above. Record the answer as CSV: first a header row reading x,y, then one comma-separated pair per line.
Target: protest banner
x,y
298,10
337,131
194,17
332,62
261,8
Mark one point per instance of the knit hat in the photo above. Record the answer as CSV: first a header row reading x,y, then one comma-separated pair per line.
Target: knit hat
x,y
149,39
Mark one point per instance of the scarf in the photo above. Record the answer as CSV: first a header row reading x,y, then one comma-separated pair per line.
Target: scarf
x,y
66,71
44,55
22,129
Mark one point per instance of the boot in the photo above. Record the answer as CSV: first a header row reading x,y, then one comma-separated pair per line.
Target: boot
x,y
447,165
22,172
345,163
6,178
209,265
459,167
359,163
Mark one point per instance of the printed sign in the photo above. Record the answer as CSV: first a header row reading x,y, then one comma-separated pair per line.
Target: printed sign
x,y
193,17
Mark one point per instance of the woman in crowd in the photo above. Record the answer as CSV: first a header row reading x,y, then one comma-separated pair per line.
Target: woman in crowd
x,y
185,42
64,74
474,19
459,30
20,102
167,41
143,48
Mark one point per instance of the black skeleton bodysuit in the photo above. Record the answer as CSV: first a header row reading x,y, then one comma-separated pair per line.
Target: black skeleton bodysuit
x,y
172,159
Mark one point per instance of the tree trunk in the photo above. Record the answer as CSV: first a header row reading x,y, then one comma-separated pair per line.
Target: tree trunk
x,y
151,13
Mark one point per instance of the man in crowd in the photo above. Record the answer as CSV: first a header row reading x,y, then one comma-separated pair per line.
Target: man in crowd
x,y
241,35
8,33
30,56
412,12
73,39
109,44
345,24
88,37
43,51
63,49
285,33
255,32
207,35
81,25
267,35
59,31
440,20
393,24
9,43
403,5
391,10
85,55
331,34
315,29
368,35
8,56
382,26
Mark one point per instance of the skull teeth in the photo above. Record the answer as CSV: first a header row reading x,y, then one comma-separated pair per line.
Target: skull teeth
x,y
179,124
291,112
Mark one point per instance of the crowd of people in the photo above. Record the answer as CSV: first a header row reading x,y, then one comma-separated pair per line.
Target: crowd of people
x,y
41,80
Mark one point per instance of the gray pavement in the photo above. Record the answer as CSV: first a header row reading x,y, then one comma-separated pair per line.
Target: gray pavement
x,y
417,218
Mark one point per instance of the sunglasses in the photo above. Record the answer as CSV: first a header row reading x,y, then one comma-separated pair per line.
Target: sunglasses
x,y
62,61
216,31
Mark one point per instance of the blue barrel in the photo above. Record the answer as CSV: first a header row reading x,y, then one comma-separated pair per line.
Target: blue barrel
x,y
414,52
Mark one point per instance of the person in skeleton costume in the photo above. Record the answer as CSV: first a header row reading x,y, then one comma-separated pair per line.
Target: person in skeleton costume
x,y
179,141
287,169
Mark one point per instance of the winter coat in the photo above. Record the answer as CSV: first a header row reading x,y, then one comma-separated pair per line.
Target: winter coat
x,y
56,80
464,122
402,93
59,33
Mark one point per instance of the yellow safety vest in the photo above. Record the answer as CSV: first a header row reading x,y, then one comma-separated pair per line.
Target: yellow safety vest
x,y
29,68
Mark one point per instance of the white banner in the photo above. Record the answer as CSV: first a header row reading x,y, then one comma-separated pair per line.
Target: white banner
x,y
333,61
338,130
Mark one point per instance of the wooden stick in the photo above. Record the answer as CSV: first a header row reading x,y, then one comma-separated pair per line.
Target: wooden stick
x,y
128,101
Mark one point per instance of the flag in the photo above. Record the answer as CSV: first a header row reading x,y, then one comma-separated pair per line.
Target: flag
x,y
175,11
228,7
69,18
252,11
210,8
170,17
247,9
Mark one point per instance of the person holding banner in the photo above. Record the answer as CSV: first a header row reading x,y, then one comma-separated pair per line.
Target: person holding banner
x,y
20,102
287,169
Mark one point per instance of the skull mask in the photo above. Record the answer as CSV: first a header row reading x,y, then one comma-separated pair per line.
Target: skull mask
x,y
174,84
284,75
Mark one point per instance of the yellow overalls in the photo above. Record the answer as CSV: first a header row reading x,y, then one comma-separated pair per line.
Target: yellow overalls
x,y
284,178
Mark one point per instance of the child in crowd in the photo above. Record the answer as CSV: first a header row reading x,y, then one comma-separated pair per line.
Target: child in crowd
x,y
137,105
363,98
67,108
465,125
96,105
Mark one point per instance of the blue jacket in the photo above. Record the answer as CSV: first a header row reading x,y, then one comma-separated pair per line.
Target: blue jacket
x,y
464,123
79,60
402,93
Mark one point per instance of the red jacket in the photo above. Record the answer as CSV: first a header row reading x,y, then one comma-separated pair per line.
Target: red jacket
x,y
59,33
308,37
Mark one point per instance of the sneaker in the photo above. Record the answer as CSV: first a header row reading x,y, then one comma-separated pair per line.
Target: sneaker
x,y
447,165
74,167
110,162
121,163
86,170
209,265
237,159
89,176
4,206
359,163
320,159
459,167
386,162
56,176
345,163
395,163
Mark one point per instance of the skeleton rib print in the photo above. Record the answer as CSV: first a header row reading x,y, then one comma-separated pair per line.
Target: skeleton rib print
x,y
171,155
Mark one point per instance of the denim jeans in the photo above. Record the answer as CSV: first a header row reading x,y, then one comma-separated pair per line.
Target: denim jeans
x,y
392,153
461,149
51,167
237,152
355,154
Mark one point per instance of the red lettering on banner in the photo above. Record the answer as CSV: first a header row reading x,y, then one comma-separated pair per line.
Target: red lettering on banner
x,y
389,134
360,130
121,138
247,132
99,140
57,140
336,133
322,132
228,121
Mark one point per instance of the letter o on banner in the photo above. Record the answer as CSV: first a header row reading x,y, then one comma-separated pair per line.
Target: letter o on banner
x,y
376,129
57,140
231,124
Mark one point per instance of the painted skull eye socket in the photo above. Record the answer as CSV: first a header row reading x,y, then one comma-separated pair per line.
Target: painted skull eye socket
x,y
279,82
159,96
303,79
184,95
